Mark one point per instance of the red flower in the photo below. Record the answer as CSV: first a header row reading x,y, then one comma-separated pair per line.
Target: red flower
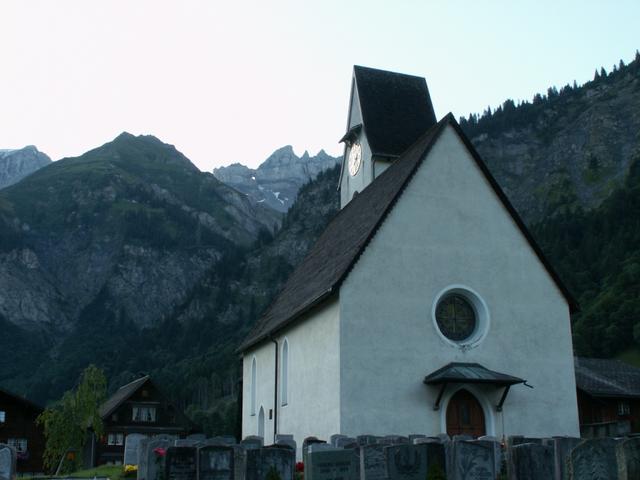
x,y
161,452
299,467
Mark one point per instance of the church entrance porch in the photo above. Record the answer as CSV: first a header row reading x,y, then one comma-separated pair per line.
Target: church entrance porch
x,y
465,415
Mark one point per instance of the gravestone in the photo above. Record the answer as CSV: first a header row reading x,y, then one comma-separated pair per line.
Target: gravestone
x,y
306,444
372,462
628,456
472,461
562,447
346,442
216,463
311,448
239,462
366,440
181,463
251,442
331,464
7,462
333,439
436,455
286,441
151,455
531,461
594,460
131,443
406,462
260,461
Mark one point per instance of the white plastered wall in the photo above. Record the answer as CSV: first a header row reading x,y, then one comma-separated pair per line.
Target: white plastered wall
x,y
450,228
313,382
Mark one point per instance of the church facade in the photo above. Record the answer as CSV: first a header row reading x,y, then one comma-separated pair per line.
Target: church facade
x,y
424,307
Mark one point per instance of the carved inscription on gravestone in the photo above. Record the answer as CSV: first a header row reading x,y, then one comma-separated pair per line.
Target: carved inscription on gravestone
x,y
181,463
215,463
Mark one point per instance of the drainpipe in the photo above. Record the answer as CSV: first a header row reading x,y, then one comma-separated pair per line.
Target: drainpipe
x,y
275,392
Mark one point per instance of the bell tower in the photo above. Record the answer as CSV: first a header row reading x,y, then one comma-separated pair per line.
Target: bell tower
x,y
388,111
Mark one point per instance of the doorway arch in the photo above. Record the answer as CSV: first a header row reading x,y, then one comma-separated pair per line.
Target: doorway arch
x,y
465,415
261,423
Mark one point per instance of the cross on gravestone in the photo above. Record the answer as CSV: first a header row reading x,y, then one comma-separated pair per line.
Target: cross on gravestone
x,y
472,461
406,462
261,461
7,462
562,447
151,455
594,460
628,459
531,461
331,464
216,463
131,443
372,462
181,463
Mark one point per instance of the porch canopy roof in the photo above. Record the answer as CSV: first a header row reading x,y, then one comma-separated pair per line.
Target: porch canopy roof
x,y
470,373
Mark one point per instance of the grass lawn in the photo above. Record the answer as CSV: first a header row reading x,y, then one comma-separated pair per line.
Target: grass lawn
x,y
114,472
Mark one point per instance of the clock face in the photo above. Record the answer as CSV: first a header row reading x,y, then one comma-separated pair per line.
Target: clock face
x,y
355,159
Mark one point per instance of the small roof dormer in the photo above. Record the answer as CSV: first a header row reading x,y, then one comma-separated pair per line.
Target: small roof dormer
x,y
388,111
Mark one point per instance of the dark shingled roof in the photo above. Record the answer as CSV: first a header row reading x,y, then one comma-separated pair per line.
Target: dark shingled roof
x,y
121,396
469,373
24,401
607,378
396,109
331,258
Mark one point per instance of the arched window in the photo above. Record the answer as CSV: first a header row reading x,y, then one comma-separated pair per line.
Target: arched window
x,y
261,423
284,374
253,386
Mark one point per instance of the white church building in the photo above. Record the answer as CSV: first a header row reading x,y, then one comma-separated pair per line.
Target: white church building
x,y
424,307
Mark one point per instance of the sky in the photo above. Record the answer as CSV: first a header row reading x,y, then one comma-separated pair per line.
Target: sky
x,y
231,81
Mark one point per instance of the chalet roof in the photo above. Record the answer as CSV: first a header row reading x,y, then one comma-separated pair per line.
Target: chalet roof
x,y
469,373
19,399
607,378
330,260
121,395
396,109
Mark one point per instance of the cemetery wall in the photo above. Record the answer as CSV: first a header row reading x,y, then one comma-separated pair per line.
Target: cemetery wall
x,y
442,234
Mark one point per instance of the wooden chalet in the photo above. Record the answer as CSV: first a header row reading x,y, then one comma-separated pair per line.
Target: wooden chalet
x,y
18,429
137,407
608,397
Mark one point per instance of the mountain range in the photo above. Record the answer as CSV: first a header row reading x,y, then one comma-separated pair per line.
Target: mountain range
x,y
17,164
131,258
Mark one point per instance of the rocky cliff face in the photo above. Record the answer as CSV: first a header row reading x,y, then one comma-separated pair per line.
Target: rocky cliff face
x,y
276,181
569,149
17,164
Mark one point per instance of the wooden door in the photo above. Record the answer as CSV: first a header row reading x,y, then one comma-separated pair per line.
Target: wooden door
x,y
465,415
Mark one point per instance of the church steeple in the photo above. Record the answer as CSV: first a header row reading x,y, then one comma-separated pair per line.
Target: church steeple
x,y
388,111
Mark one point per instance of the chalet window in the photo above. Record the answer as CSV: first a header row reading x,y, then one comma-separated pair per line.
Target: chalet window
x,y
3,416
144,414
115,439
623,408
20,444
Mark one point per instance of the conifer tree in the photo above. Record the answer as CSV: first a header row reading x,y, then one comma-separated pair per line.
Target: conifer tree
x,y
603,72
596,76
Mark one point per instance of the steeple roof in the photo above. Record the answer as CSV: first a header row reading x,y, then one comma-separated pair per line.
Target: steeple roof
x,y
396,109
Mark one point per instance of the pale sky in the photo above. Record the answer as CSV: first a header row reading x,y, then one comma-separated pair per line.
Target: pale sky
x,y
232,81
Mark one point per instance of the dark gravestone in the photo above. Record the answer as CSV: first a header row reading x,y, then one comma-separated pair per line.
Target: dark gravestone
x,y
562,447
307,442
406,462
593,460
366,440
436,457
7,462
252,442
331,464
152,458
181,463
286,440
239,462
628,456
472,461
314,448
215,463
372,462
261,461
532,461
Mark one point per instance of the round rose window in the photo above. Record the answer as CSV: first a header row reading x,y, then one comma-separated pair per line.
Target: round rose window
x,y
456,317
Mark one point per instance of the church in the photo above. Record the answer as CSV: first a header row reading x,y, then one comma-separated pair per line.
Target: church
x,y
424,307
